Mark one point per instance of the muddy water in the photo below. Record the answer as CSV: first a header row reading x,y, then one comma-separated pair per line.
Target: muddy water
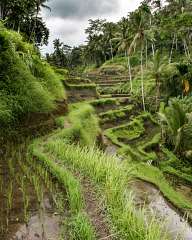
x,y
145,194
110,148
28,197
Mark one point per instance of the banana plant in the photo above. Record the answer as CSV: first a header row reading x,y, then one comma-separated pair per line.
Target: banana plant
x,y
176,126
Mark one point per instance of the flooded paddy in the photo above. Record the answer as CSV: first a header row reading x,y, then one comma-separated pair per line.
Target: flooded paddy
x,y
30,200
149,197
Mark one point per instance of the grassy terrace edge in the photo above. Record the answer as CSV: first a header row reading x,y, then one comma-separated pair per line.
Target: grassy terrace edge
x,y
147,172
78,225
108,175
112,178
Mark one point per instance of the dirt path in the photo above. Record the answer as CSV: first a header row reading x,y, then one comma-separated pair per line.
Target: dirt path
x,y
95,210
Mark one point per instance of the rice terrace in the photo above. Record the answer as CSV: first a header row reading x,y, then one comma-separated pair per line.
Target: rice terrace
x,y
96,120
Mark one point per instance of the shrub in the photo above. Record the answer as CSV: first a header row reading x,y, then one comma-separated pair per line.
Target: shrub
x,y
60,121
27,84
176,126
84,125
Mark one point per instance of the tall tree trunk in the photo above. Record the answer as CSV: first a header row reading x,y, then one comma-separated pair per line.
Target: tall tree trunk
x,y
111,49
176,42
158,91
105,57
185,49
130,74
146,53
173,43
35,24
142,79
1,12
18,29
153,49
187,52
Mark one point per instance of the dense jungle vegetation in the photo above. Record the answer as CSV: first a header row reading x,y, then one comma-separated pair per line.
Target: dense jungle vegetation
x,y
96,140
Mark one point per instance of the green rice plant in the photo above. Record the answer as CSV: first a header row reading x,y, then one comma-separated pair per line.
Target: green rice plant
x,y
60,121
21,180
61,72
112,178
65,177
10,195
80,86
84,125
180,175
25,203
11,168
76,202
152,143
130,131
104,101
58,153
173,166
80,228
38,188
59,200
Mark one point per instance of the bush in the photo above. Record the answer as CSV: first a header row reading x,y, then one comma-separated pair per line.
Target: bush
x,y
27,84
176,125
60,122
84,126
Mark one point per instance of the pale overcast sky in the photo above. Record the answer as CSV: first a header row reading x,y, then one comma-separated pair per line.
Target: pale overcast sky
x,y
69,18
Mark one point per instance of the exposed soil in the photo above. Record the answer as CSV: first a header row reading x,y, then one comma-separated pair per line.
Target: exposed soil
x,y
181,185
115,95
116,81
35,124
113,123
79,92
75,95
107,107
95,211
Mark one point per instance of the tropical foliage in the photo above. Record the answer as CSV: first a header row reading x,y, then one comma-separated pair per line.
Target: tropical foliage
x,y
23,16
27,83
177,126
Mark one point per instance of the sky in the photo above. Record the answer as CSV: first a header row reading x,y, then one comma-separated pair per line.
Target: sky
x,y
68,19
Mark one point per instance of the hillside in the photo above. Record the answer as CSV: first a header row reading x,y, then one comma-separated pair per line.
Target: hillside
x,y
96,139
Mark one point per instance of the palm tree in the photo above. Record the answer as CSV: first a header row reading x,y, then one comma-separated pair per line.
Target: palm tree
x,y
138,20
38,5
176,126
109,31
156,69
123,43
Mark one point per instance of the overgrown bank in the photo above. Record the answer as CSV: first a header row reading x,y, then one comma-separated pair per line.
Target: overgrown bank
x,y
110,176
27,83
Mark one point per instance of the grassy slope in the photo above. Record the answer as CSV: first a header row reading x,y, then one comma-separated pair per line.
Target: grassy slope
x,y
138,157
108,175
79,226
28,84
144,171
